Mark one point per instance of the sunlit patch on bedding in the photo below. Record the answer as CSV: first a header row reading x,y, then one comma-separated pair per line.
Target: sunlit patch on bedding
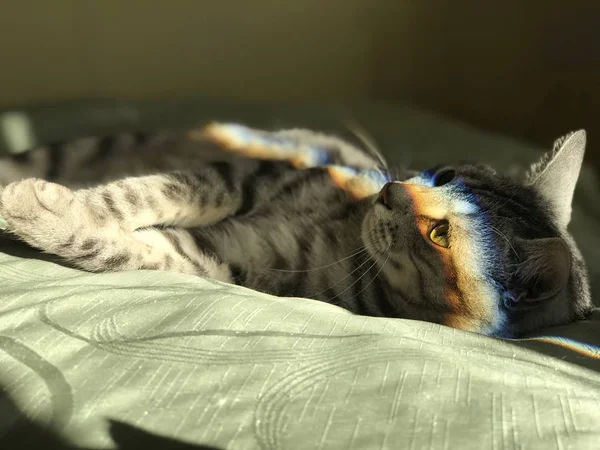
x,y
582,348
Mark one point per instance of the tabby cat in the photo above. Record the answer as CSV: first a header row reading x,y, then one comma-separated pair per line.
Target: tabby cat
x,y
285,213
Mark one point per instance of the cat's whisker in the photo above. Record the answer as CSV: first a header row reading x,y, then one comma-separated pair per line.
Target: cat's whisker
x,y
349,274
361,276
389,253
362,250
499,233
366,139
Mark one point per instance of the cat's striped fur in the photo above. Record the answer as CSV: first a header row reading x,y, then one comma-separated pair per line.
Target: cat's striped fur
x,y
177,204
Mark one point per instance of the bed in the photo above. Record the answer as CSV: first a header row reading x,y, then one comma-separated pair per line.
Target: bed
x,y
143,359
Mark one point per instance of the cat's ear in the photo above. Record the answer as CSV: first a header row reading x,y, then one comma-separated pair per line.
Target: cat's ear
x,y
543,271
555,175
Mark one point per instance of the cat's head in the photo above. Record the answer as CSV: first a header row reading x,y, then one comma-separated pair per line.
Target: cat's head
x,y
467,247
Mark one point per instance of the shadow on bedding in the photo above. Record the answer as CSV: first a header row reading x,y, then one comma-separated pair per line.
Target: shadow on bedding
x,y
22,433
13,247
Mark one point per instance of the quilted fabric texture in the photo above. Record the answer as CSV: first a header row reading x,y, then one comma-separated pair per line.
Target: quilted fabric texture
x,y
215,364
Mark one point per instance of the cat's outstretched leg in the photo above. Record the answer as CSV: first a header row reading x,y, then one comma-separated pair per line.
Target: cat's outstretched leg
x,y
106,228
180,199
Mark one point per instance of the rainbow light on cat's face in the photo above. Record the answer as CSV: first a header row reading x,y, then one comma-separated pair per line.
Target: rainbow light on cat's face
x,y
477,298
471,257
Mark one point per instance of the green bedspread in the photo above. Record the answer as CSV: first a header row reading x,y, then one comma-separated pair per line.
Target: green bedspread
x,y
220,365
216,364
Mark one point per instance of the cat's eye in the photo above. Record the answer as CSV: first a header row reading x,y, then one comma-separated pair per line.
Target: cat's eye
x,y
439,235
443,176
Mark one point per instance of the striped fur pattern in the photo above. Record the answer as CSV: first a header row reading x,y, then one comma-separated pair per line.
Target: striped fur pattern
x,y
298,213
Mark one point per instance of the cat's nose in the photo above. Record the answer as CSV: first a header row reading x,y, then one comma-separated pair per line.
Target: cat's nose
x,y
393,195
384,195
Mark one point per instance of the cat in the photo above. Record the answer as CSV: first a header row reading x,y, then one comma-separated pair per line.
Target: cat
x,y
282,212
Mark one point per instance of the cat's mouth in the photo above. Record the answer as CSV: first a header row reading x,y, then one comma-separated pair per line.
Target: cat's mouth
x,y
385,231
390,225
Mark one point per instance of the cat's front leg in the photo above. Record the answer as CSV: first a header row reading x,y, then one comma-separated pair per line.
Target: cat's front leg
x,y
91,235
180,199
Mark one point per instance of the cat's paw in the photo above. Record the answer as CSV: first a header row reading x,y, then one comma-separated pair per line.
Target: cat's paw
x,y
41,213
25,199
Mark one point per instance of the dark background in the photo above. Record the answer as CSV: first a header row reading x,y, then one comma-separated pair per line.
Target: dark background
x,y
526,69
